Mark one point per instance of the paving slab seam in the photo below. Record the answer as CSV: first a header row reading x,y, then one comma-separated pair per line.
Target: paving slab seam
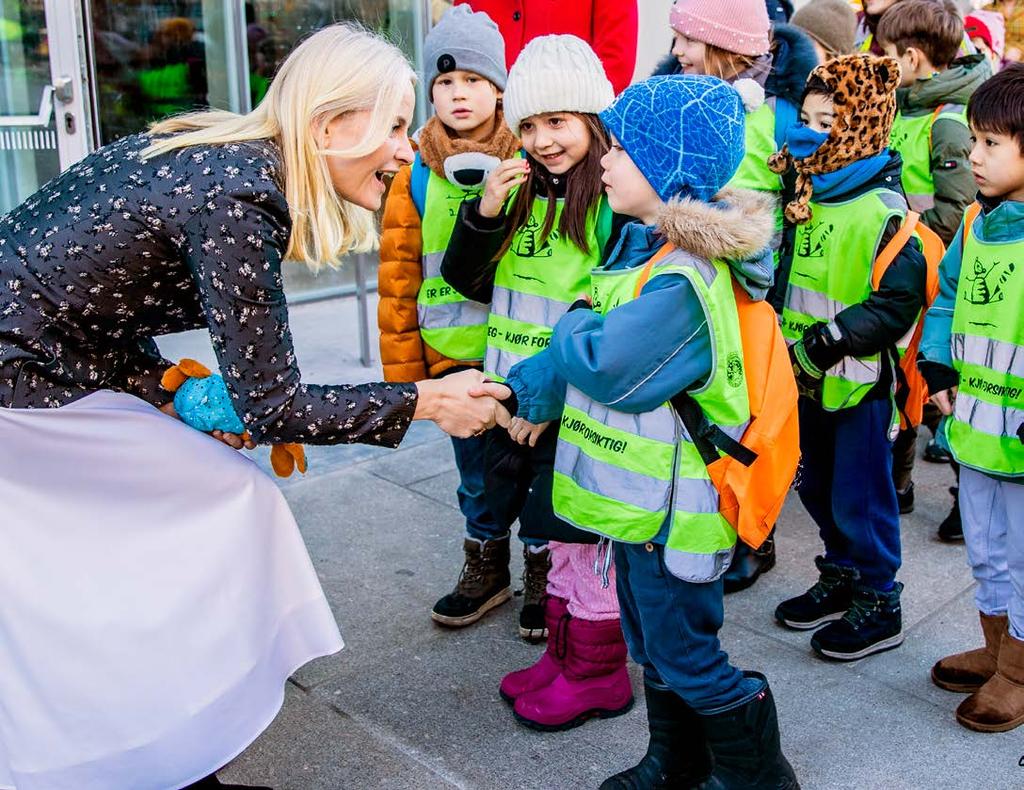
x,y
387,738
842,666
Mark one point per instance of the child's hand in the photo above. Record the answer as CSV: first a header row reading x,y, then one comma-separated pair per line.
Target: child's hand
x,y
525,432
945,400
506,176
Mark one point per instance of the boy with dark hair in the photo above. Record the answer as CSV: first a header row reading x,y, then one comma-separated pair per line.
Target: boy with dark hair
x,y
843,335
930,131
972,359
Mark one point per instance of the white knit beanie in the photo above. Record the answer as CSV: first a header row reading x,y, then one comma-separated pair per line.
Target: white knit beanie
x,y
555,74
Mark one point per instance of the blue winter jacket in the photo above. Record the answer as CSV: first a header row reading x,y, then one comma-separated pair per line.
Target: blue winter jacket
x,y
641,354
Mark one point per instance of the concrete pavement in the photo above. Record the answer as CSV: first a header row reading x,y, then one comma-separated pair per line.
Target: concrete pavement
x,y
410,705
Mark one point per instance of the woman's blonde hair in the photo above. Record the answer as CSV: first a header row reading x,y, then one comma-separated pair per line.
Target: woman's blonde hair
x,y
339,69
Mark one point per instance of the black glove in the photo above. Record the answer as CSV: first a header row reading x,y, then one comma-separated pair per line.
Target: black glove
x,y
808,377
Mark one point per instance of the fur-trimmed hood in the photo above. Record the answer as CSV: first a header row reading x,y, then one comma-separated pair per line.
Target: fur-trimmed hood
x,y
737,227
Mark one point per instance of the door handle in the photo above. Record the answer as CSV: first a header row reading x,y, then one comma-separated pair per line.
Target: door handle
x,y
64,90
41,118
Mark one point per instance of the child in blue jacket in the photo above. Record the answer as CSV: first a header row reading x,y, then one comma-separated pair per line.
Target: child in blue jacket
x,y
625,467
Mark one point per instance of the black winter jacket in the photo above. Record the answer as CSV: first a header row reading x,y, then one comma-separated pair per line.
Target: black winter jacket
x,y
116,251
877,323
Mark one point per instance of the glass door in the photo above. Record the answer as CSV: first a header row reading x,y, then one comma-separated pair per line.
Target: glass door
x,y
42,97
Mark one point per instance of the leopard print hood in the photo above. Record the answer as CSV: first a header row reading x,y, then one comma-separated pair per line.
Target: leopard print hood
x,y
863,89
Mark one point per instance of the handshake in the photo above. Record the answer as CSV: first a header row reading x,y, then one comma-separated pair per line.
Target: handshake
x,y
467,403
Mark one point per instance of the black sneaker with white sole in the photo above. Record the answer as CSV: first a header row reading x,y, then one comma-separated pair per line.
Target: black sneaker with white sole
x,y
873,623
828,599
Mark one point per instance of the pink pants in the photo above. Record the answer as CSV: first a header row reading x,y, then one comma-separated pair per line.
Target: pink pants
x,y
572,577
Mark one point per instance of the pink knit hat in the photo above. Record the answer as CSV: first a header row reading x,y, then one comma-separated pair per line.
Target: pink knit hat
x,y
739,26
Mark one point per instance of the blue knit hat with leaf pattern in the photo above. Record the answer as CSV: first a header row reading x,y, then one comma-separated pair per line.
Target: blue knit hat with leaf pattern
x,y
684,132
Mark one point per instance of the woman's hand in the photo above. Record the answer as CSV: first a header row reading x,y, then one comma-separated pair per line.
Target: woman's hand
x,y
506,176
232,440
449,403
525,432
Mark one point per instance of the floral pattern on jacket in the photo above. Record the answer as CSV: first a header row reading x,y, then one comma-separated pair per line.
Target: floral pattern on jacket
x,y
116,251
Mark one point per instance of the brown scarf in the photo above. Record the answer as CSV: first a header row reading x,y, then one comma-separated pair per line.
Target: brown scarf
x,y
437,143
863,90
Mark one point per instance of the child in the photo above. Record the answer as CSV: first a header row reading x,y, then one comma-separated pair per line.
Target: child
x,y
733,40
971,360
843,337
831,24
624,469
867,25
527,246
930,131
426,329
987,31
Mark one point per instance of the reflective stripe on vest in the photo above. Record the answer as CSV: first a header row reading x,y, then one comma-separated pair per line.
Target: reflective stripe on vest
x,y
987,344
535,283
911,136
449,323
629,476
833,257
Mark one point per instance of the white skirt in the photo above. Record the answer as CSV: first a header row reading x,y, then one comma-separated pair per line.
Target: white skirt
x,y
155,595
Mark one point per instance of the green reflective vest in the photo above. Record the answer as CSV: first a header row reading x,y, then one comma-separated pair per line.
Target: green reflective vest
x,y
988,352
626,476
759,137
536,281
449,323
833,256
912,137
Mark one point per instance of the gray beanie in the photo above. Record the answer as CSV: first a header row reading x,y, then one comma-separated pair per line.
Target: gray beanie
x,y
464,40
832,23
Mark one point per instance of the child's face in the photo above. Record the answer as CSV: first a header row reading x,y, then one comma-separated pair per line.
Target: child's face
x,y
998,165
876,7
558,140
817,112
629,192
689,53
465,102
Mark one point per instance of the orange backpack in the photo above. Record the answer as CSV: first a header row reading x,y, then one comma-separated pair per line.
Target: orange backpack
x,y
754,474
911,390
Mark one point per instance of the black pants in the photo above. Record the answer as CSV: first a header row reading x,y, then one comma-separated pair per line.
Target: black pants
x,y
518,480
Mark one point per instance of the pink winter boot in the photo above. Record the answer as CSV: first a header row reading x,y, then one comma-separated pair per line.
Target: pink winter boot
x,y
593,683
556,619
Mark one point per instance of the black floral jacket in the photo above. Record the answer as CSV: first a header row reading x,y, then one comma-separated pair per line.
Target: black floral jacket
x,y
116,251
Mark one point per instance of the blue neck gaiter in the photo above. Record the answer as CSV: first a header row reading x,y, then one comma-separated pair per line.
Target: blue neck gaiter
x,y
804,141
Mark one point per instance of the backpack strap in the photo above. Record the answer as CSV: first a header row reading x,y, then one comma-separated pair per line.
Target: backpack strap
x,y
970,214
418,184
645,275
707,437
892,249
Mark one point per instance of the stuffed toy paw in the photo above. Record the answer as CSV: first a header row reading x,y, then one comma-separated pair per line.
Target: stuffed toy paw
x,y
202,401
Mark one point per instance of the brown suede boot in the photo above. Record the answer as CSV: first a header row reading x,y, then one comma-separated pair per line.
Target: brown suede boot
x,y
998,706
969,671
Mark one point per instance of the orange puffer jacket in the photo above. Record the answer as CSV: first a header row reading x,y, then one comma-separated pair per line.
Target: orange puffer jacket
x,y
402,351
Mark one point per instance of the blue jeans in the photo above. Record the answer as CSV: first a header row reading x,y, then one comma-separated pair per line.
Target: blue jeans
x,y
469,459
846,485
671,627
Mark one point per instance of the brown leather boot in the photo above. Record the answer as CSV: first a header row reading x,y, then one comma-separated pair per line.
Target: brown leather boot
x,y
968,671
998,706
483,584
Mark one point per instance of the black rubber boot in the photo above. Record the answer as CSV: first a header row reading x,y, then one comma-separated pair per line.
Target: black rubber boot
x,y
747,564
211,782
744,740
951,530
677,754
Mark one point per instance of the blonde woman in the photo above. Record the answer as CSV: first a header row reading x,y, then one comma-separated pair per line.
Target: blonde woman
x,y
155,592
